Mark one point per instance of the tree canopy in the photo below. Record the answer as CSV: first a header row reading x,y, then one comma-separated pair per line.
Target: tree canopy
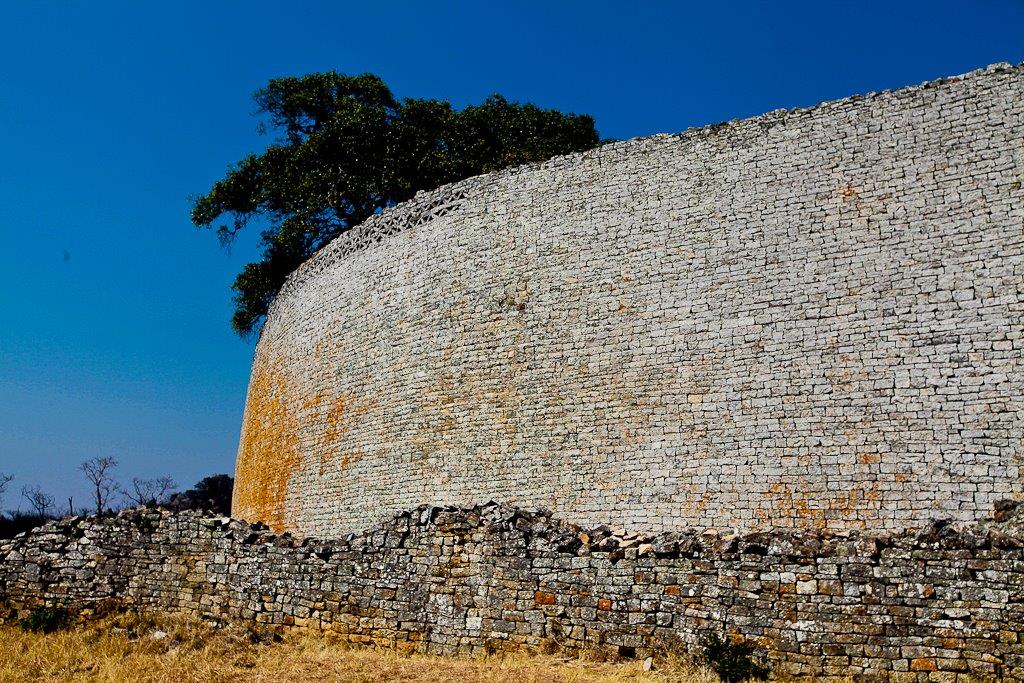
x,y
212,494
348,148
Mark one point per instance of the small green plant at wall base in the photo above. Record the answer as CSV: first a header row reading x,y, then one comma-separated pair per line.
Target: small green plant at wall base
x,y
732,661
46,620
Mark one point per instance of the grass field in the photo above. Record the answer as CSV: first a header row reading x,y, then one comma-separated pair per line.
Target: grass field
x,y
133,647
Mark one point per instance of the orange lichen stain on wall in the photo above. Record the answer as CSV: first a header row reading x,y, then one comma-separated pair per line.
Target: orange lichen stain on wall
x,y
336,415
849,193
268,454
437,403
851,509
694,502
481,403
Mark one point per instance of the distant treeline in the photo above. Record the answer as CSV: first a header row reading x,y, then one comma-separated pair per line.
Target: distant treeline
x,y
212,494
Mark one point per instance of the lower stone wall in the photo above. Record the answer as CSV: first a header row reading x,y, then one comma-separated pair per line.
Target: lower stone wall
x,y
943,603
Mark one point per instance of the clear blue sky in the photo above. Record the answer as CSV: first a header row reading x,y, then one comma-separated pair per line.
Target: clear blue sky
x,y
114,335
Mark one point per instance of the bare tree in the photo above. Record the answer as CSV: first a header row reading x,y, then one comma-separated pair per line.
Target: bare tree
x,y
5,479
150,491
99,472
39,500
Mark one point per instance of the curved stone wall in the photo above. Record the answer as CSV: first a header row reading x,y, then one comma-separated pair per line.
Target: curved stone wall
x,y
808,318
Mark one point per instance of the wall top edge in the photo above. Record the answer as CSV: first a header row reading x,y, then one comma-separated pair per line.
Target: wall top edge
x,y
428,205
1003,530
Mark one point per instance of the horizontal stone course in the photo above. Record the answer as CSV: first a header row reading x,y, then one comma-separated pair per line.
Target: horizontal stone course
x,y
942,603
804,319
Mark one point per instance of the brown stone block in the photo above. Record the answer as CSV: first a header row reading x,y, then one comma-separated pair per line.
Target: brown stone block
x,y
923,664
542,598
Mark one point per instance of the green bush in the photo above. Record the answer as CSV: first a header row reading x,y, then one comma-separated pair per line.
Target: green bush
x,y
46,620
732,661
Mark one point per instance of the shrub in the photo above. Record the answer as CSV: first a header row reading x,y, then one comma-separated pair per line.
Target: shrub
x,y
46,620
212,494
13,523
732,661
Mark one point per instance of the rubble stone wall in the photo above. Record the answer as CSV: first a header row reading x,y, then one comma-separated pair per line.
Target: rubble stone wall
x,y
805,319
943,603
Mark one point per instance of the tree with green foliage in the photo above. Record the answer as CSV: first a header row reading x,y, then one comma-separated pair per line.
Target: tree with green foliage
x,y
348,149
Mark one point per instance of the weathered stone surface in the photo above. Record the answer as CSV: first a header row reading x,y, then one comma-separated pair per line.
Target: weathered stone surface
x,y
908,605
804,319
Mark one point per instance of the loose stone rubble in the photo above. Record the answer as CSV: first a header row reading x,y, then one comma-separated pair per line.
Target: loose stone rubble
x,y
943,603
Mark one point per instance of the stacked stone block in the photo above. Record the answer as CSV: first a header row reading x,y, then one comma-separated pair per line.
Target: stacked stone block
x,y
807,319
941,604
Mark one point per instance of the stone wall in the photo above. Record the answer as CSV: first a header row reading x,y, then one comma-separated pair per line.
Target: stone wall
x,y
805,319
939,604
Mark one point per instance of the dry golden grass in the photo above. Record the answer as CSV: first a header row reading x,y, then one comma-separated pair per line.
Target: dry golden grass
x,y
122,648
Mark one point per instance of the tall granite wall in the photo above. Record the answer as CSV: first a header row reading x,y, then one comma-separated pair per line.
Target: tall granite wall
x,y
942,604
805,319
